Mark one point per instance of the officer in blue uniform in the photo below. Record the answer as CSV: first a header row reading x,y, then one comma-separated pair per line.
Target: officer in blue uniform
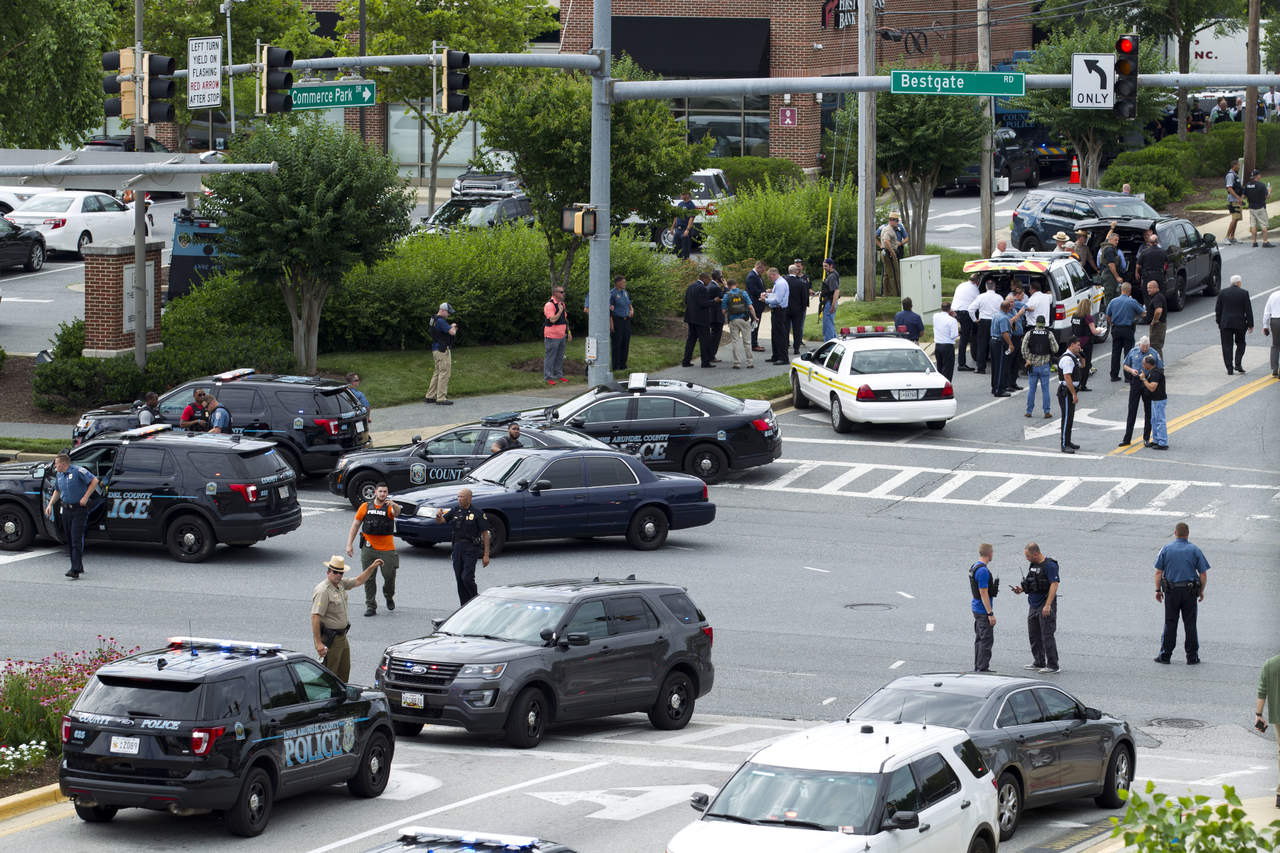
x,y
1041,586
1182,573
984,588
1123,312
470,533
73,486
219,417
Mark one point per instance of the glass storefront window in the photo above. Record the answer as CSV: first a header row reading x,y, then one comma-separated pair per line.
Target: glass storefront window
x,y
740,125
409,144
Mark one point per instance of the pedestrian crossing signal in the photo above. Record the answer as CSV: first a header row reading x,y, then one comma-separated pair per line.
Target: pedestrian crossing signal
x,y
580,221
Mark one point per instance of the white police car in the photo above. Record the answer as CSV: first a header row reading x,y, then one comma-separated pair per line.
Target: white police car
x,y
870,374
852,786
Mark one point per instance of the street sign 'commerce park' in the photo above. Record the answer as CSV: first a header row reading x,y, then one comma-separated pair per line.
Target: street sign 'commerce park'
x,y
328,96
927,82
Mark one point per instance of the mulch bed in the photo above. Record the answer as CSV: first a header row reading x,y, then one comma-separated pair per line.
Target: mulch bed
x,y
35,777
572,366
15,394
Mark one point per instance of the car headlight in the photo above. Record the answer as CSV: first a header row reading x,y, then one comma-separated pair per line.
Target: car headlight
x,y
342,463
426,512
482,670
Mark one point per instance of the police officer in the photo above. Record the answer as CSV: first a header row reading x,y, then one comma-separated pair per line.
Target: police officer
x,y
219,417
74,486
1069,371
377,522
150,412
194,417
329,622
1182,573
507,442
1041,587
470,530
984,589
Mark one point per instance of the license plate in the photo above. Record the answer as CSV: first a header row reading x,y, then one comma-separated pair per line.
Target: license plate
x,y
910,394
359,426
284,491
125,745
411,700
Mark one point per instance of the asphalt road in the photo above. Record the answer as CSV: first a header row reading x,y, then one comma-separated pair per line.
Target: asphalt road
x,y
954,221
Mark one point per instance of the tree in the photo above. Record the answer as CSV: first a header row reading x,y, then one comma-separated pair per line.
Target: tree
x,y
1088,131
51,72
334,203
544,119
410,26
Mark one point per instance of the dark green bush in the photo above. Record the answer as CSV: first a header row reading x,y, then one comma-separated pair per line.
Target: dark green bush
x,y
75,384
68,341
1223,144
746,172
780,224
1160,184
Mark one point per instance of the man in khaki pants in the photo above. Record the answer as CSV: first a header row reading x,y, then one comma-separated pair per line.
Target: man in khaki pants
x,y
442,334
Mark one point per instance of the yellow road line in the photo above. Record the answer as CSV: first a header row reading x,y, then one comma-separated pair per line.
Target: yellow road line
x,y
1226,400
49,814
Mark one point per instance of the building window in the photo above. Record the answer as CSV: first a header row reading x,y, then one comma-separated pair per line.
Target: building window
x,y
740,125
409,144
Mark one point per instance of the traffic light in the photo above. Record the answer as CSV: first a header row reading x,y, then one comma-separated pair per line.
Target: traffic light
x,y
119,62
456,99
156,90
270,77
1125,89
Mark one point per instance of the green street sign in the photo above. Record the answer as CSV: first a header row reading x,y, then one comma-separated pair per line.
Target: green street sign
x,y
932,82
329,96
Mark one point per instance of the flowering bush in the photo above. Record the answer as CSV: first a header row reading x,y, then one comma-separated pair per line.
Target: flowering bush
x,y
15,759
35,694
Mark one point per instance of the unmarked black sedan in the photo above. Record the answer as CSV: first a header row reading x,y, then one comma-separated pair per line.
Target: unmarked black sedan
x,y
1043,744
554,494
20,247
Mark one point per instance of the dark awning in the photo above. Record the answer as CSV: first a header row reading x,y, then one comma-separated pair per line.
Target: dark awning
x,y
694,47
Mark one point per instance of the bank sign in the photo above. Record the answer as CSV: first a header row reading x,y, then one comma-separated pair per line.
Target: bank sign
x,y
838,14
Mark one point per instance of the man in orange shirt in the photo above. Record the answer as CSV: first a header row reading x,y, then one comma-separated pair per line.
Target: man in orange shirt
x,y
555,333
378,521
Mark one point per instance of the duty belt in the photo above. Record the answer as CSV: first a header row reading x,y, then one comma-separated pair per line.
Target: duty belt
x,y
1181,584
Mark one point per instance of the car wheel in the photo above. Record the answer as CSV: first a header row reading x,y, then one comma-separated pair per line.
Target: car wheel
x,y
648,529
799,400
1119,778
1009,805
1178,300
190,539
1033,177
839,422
16,528
1029,244
95,814
360,489
674,706
403,729
666,239
371,777
35,260
527,722
980,845
85,239
1214,284
935,424
707,462
250,812
497,535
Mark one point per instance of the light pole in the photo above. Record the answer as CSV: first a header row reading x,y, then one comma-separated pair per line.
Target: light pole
x,y
225,8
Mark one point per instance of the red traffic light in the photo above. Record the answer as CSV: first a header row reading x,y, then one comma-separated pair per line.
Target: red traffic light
x,y
1126,44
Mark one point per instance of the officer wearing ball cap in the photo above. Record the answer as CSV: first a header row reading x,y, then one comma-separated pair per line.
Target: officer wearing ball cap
x,y
329,623
442,334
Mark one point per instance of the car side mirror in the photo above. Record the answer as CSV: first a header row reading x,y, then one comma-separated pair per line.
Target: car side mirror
x,y
577,423
436,623
537,487
353,692
806,356
547,635
901,820
578,639
417,439
699,801
1208,238
1092,714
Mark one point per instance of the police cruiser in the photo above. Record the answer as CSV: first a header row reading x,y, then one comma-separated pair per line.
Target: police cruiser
x,y
187,491
431,839
219,725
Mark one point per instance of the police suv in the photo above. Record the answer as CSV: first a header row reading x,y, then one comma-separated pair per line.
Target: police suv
x,y
188,491
219,725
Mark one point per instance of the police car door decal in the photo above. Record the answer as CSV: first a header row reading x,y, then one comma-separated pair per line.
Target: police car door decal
x,y
318,742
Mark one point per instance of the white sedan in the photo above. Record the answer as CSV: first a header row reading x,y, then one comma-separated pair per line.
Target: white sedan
x,y
872,376
72,219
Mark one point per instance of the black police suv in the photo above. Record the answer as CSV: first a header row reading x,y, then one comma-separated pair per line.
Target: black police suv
x,y
1043,213
312,420
220,725
443,458
1194,259
671,425
1015,158
519,658
430,839
187,491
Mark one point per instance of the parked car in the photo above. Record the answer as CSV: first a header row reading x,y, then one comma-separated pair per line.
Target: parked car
x,y
1068,284
1195,262
69,220
710,191
11,197
122,142
20,246
479,210
1043,213
1015,159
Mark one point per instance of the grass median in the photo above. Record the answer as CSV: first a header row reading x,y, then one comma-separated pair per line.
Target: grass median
x,y
36,445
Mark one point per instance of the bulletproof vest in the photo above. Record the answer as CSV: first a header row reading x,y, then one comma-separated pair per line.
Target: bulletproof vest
x,y
1039,342
439,337
1076,372
377,520
993,588
737,303
1036,581
547,322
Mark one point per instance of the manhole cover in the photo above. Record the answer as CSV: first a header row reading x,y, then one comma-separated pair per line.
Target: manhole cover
x,y
866,606
1177,723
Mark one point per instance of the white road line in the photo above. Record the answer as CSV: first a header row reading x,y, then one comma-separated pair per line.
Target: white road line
x,y
905,594
886,488
1002,491
928,626
1060,491
703,734
966,414
1000,451
824,571
846,478
12,279
950,485
776,672
1252,297
5,559
34,301
828,700
791,476
679,548
896,664
311,512
1170,492
1114,494
322,502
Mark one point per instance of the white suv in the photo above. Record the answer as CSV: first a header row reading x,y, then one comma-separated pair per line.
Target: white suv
x,y
1069,284
864,786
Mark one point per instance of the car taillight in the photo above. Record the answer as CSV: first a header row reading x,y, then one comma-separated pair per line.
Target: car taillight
x,y
202,739
761,424
330,425
1059,311
948,392
248,491
711,634
56,223
704,491
66,728
865,393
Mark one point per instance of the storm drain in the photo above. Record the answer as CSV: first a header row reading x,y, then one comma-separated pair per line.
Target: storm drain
x,y
870,606
1177,723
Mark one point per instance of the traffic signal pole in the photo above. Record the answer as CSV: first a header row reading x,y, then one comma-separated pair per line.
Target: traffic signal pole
x,y
599,352
139,199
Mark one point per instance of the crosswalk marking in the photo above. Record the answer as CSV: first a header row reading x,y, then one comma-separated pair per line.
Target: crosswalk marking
x,y
1002,491
1058,492
1113,494
846,478
791,476
1170,492
886,488
949,486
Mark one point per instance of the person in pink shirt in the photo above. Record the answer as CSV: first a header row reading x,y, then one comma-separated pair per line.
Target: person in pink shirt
x,y
555,334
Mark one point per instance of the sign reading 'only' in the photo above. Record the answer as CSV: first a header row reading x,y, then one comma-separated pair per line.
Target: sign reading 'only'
x,y
926,82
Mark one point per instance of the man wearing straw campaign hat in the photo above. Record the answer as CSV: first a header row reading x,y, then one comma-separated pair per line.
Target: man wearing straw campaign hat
x,y
329,622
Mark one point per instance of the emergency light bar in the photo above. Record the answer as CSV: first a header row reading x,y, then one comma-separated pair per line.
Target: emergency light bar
x,y
234,374
637,381
151,429
223,645
434,834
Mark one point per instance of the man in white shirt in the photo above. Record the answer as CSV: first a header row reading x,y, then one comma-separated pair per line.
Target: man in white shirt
x,y
984,310
1040,304
1001,247
945,331
1271,328
961,301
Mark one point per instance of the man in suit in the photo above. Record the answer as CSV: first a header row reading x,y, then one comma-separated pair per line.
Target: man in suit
x,y
1234,314
697,316
798,302
755,287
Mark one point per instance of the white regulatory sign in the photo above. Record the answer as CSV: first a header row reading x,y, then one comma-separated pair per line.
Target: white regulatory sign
x,y
204,73
1092,79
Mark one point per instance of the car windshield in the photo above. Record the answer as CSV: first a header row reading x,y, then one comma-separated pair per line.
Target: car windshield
x,y
513,619
890,361
469,212
1114,208
817,799
568,408
573,438
508,469
954,710
47,203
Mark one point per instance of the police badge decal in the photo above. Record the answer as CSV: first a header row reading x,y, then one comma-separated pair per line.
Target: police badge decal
x,y
348,735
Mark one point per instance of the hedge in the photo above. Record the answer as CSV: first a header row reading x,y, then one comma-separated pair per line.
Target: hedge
x,y
747,172
778,224
1160,184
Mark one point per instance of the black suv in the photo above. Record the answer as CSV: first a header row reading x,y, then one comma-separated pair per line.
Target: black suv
x,y
1043,213
219,725
1195,263
312,420
479,210
516,659
187,491
1015,159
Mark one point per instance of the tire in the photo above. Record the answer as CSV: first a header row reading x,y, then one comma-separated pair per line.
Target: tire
x,y
1008,805
371,776
95,814
251,811
1033,177
666,240
1119,778
839,422
35,260
527,722
190,539
1030,244
497,536
403,729
1214,284
935,424
85,239
648,529
1178,300
360,489
707,462
980,845
798,400
17,529
674,706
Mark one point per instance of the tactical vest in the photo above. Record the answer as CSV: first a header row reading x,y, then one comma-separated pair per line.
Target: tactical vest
x,y
737,304
438,337
377,520
1036,581
993,588
547,322
1039,342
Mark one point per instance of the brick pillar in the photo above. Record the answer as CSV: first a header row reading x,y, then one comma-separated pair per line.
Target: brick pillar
x,y
105,334
799,144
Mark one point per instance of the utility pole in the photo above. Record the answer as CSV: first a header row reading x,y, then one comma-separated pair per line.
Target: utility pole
x,y
1251,93
231,79
986,175
599,370
362,53
868,186
139,197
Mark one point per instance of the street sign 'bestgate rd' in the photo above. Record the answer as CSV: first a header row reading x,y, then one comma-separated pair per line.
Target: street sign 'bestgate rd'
x,y
926,82
328,96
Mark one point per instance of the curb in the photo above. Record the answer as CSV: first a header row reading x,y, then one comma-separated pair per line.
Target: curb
x,y
29,801
24,456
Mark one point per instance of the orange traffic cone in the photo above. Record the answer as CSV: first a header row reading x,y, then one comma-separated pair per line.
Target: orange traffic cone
x,y
1075,171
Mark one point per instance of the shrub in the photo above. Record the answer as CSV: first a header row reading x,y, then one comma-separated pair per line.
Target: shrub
x,y
780,224
1161,184
68,341
74,384
15,759
1223,144
1165,823
747,172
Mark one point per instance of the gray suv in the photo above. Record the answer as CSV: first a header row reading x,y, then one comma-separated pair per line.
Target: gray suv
x,y
516,659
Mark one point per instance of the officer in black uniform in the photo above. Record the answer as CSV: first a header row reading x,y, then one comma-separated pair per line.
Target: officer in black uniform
x,y
470,533
1041,586
150,412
